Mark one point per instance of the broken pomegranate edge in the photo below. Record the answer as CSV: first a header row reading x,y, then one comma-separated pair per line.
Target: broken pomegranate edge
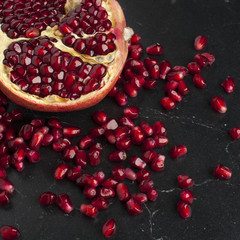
x,y
85,101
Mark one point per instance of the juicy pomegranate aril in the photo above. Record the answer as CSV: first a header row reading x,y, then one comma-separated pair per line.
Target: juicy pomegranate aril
x,y
64,202
178,151
184,210
187,196
219,104
184,181
47,198
155,49
235,133
9,233
229,85
89,210
223,172
134,207
200,42
109,228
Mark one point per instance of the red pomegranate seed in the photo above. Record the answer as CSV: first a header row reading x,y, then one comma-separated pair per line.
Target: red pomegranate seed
x,y
223,172
61,171
154,71
210,57
74,173
150,84
14,144
199,81
109,228
90,192
174,95
135,54
4,198
110,136
19,166
111,124
122,192
157,164
61,144
36,141
184,210
171,85
219,104
110,182
117,156
32,33
86,142
94,155
183,89
124,144
37,122
100,203
148,62
184,181
164,68
81,158
159,129
89,210
97,132
64,202
155,49
194,68
143,175
139,197
19,155
152,195
121,98
99,176
131,112
6,185
178,151
175,76
114,91
229,85
187,196
168,103
33,156
57,134
54,123
135,39
148,144
137,162
148,156
69,153
71,131
137,82
200,42
87,180
9,232
145,185
26,131
44,130
121,132
235,133
47,198
146,128
125,121
118,173
100,117
130,174
137,136
106,192
134,207
201,60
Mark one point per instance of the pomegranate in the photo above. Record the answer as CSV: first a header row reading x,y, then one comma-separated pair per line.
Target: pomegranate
x,y
67,56
109,228
9,232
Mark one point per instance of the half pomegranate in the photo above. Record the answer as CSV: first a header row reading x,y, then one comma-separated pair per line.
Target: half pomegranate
x,y
61,55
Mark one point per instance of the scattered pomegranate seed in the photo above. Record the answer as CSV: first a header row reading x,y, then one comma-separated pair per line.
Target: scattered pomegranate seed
x,y
100,117
89,210
99,176
152,195
135,39
6,185
200,42
118,173
71,132
183,89
130,174
174,95
157,164
9,233
117,156
131,112
145,185
87,180
184,181
61,171
210,57
219,104
175,76
187,196
178,151
134,207
121,98
223,172
155,49
47,198
122,192
184,210
100,203
199,81
64,203
109,228
137,162
229,85
143,175
86,142
235,133
110,182
74,173
140,197
137,136
90,192
194,68
164,68
168,103
146,128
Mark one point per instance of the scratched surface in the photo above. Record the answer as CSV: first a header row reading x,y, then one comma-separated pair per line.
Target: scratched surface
x,y
216,210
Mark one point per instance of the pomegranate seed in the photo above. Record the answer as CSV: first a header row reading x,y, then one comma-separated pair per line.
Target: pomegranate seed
x,y
14,144
86,142
145,185
6,185
9,232
235,133
99,176
135,54
125,121
111,124
148,144
174,95
157,164
81,158
47,198
184,181
4,198
74,173
219,104
137,162
135,39
106,192
148,62
133,207
171,85
100,117
109,228
121,98
200,60
90,192
175,76
137,82
140,197
64,202
194,68
97,132
229,85
37,122
114,91
222,172
178,151
61,144
33,156
184,210
19,155
121,132
71,131
152,195
89,210
94,155
210,57
168,103
200,42
130,174
54,123
109,135
187,196
110,182
150,84
69,153
148,156
117,156
159,129
32,33
164,69
199,81
183,89
155,49
123,144
143,175
118,173
137,136
122,192
61,171
154,71
87,180
131,112
26,131
100,203
36,141
146,128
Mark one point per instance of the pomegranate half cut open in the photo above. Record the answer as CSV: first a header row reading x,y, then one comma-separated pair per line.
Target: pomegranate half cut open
x,y
61,55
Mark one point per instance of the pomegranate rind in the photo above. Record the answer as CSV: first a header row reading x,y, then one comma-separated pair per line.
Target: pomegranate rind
x,y
58,104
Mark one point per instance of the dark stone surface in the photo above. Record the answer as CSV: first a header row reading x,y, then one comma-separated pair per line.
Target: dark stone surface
x,y
216,210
